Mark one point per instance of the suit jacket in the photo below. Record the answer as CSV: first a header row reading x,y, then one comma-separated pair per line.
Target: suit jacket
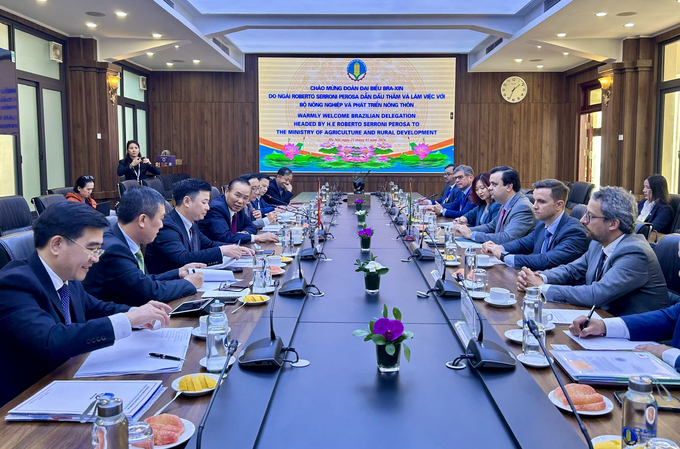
x,y
280,198
476,217
448,195
261,205
459,206
258,222
117,277
661,216
35,340
658,325
130,174
568,244
518,221
632,281
217,223
172,247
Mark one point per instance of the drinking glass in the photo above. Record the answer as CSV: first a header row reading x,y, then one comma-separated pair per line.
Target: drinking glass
x,y
451,251
140,435
480,282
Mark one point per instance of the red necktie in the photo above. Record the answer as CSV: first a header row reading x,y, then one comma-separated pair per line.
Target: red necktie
x,y
500,220
234,229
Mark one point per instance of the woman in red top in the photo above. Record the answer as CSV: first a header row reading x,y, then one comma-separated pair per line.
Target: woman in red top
x,y
82,191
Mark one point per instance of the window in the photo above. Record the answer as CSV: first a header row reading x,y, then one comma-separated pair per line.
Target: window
x,y
132,112
667,149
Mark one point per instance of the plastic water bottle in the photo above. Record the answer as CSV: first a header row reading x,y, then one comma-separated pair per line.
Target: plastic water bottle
x,y
215,352
110,428
639,412
259,271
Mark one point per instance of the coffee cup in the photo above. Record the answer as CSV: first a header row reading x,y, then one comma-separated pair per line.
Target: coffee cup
x,y
547,318
482,259
500,295
203,324
275,260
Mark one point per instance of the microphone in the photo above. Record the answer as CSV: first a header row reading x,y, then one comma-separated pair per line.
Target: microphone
x,y
227,367
281,203
533,328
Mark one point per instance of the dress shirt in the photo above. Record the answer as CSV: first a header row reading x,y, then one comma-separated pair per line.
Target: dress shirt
x,y
616,328
121,324
131,244
552,229
646,210
187,224
608,251
233,214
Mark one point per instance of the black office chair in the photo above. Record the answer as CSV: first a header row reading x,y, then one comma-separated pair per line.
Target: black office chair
x,y
15,215
16,246
224,188
579,193
167,186
60,191
112,219
127,185
44,201
214,193
175,178
644,229
675,205
578,211
155,184
530,196
667,253
183,176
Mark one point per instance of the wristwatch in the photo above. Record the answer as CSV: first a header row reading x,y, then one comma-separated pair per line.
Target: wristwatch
x,y
503,254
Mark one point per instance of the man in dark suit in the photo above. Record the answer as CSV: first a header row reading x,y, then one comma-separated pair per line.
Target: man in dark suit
x,y
46,317
259,203
121,275
259,219
463,176
450,191
516,218
280,190
180,241
228,221
558,238
658,325
619,272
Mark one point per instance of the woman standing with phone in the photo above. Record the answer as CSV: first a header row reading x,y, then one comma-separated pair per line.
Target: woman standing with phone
x,y
135,166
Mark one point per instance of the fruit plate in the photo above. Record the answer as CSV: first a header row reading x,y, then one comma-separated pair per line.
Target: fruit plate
x,y
175,384
189,430
256,303
608,406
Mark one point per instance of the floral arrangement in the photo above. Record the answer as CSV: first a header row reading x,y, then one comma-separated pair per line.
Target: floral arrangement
x,y
361,212
371,266
365,233
387,332
359,201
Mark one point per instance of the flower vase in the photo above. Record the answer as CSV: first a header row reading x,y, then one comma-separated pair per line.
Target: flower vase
x,y
361,220
358,206
365,243
388,363
372,282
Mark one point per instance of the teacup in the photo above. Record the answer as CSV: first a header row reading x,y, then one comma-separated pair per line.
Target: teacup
x,y
500,295
203,324
482,259
275,260
547,318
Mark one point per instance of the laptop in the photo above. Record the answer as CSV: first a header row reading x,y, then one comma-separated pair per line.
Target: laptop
x,y
104,208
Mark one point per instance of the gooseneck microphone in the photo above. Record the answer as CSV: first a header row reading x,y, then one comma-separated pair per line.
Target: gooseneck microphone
x,y
227,367
533,328
281,203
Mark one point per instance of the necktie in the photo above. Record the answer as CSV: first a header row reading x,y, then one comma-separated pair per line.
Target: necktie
x,y
500,220
140,260
234,229
195,245
600,267
256,204
448,194
65,296
546,241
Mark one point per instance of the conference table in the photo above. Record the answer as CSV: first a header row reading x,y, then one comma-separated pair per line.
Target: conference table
x,y
340,399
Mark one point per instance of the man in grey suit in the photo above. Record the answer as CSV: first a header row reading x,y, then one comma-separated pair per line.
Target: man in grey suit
x,y
619,272
259,220
516,218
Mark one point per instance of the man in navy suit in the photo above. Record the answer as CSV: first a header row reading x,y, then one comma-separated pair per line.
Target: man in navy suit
x,y
450,191
228,220
46,317
180,241
463,176
658,325
260,204
121,275
558,238
258,219
280,190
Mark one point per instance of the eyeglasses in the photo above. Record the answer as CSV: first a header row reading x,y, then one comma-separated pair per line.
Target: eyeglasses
x,y
588,216
93,252
446,175
88,177
459,177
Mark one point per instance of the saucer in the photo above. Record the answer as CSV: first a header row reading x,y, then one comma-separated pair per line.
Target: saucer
x,y
452,263
202,362
485,265
514,335
550,326
508,303
196,332
534,361
609,406
479,295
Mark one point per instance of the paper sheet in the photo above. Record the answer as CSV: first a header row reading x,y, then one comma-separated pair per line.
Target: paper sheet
x,y
272,228
606,344
216,275
226,261
564,316
466,243
131,355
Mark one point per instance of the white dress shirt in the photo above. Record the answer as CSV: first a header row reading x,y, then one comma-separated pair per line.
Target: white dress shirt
x,y
616,328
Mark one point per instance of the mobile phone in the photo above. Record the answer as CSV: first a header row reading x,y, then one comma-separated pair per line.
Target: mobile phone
x,y
672,406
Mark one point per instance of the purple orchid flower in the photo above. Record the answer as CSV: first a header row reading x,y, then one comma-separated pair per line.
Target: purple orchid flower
x,y
390,329
359,201
365,233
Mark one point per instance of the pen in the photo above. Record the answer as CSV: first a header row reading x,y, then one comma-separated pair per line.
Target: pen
x,y
165,357
590,315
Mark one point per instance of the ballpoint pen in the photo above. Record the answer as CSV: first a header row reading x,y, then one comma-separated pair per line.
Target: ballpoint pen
x,y
165,357
587,321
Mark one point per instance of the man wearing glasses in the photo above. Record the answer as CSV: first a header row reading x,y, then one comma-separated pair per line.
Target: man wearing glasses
x,y
449,193
619,272
46,317
463,176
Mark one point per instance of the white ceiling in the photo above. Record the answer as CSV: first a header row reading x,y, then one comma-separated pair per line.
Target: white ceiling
x,y
355,27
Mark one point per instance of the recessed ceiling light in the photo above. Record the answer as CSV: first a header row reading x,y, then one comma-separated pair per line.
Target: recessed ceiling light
x,y
566,53
45,1
539,66
169,64
602,14
149,53
156,35
121,14
628,25
196,61
561,34
518,60
91,25
176,46
538,46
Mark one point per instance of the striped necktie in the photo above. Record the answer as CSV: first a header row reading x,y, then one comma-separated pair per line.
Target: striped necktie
x,y
65,296
195,245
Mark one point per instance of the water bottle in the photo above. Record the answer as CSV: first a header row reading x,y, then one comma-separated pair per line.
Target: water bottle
x,y
110,428
286,240
470,261
450,245
532,309
639,412
215,352
259,271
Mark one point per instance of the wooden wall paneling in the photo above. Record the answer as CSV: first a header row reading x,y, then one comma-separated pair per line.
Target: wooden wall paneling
x,y
629,105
